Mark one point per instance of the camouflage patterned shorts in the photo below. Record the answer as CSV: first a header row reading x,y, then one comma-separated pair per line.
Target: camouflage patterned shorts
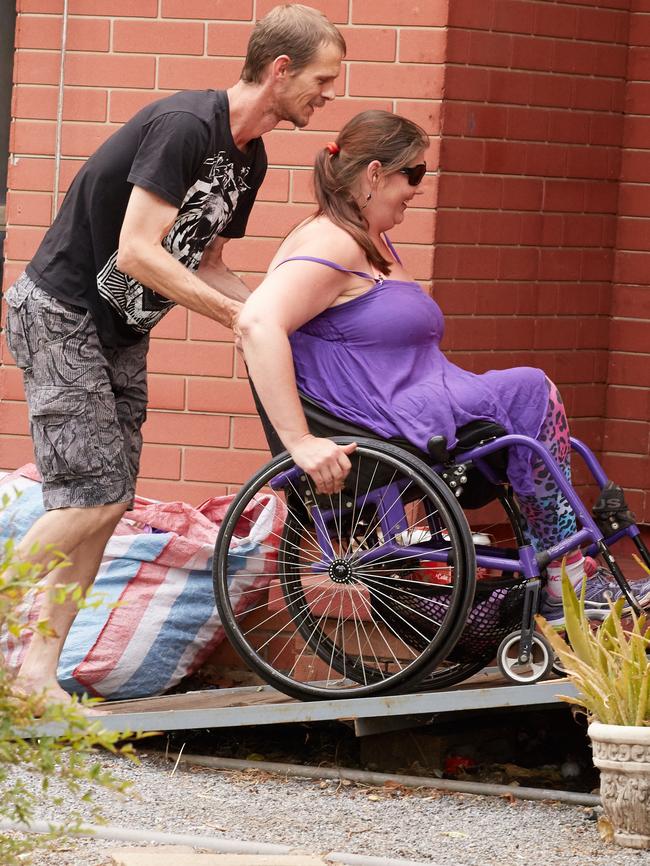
x,y
86,403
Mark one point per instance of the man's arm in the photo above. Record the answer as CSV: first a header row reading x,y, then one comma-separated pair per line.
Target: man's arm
x,y
141,255
216,273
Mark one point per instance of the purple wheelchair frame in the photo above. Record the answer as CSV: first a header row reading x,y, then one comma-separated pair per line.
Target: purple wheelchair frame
x,y
590,535
525,562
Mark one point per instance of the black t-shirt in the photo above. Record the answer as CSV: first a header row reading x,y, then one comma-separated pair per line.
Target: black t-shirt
x,y
179,148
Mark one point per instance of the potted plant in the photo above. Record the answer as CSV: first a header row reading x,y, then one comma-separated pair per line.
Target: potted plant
x,y
610,669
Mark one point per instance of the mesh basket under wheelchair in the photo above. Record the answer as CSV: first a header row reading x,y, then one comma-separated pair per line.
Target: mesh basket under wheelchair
x,y
496,611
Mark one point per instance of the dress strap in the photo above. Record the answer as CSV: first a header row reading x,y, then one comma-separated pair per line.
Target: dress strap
x,y
329,264
392,249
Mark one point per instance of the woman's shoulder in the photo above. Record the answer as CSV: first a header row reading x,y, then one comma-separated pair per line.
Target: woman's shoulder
x,y
320,238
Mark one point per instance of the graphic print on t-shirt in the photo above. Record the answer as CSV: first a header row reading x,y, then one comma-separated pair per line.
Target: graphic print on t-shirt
x,y
207,209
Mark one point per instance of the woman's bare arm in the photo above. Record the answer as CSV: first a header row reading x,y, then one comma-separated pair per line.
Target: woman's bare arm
x,y
291,295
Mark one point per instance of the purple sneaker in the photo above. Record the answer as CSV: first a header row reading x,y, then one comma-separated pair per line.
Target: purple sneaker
x,y
601,587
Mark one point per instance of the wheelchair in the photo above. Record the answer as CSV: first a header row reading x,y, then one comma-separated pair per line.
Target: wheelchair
x,y
390,586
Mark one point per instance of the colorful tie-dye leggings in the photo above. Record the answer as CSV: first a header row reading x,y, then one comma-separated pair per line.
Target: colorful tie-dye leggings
x,y
548,516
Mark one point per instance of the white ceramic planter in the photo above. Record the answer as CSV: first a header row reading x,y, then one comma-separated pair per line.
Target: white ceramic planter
x,y
622,754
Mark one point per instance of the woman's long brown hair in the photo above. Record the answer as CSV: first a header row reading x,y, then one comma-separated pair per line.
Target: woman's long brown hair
x,y
389,138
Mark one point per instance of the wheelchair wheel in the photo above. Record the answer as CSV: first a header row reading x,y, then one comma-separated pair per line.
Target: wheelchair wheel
x,y
558,668
536,668
354,594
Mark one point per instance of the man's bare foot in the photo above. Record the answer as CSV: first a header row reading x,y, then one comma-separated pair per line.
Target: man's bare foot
x,y
47,693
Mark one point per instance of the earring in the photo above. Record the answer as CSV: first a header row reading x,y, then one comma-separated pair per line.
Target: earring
x,y
368,197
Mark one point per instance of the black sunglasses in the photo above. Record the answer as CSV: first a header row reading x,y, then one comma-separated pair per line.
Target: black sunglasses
x,y
415,173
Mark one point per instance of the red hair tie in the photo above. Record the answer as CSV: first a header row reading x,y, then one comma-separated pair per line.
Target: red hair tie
x,y
333,148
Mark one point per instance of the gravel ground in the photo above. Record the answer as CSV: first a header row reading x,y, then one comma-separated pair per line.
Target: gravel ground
x,y
318,817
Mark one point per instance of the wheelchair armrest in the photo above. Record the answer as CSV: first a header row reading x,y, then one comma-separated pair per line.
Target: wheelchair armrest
x,y
437,448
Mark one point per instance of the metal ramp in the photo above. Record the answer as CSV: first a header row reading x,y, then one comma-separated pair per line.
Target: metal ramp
x,y
262,705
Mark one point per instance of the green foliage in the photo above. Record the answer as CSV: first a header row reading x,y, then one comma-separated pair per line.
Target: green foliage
x,y
71,753
608,665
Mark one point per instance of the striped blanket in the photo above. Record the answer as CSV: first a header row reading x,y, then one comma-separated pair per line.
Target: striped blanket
x,y
158,622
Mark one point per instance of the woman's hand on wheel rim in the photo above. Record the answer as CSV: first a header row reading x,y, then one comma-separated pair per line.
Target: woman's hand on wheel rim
x,y
327,463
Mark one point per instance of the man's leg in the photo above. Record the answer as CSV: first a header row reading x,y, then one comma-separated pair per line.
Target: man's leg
x,y
81,534
87,405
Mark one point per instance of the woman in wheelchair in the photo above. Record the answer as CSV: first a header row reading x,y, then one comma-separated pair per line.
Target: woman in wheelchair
x,y
373,579
339,319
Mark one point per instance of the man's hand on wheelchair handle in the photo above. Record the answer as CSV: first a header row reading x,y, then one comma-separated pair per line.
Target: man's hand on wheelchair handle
x,y
324,461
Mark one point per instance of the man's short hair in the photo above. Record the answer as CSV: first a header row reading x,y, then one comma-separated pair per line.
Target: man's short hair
x,y
293,29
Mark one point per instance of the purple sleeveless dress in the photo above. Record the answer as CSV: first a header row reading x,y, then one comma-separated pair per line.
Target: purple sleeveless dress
x,y
376,361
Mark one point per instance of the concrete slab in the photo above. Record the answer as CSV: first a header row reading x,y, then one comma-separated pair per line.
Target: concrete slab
x,y
181,855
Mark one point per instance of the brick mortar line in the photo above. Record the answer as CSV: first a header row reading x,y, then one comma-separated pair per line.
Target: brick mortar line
x,y
564,316
564,40
638,253
224,449
629,216
445,209
621,12
629,388
245,22
73,123
89,87
630,454
543,37
527,106
449,173
528,141
560,4
483,282
538,351
530,246
526,72
487,68
443,172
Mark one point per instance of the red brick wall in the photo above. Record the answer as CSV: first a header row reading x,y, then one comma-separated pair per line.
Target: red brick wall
x,y
524,217
526,224
627,424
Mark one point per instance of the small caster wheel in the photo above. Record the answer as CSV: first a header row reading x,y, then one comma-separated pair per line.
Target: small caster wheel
x,y
558,668
536,668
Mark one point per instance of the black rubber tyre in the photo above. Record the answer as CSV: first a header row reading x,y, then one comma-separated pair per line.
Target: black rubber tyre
x,y
344,615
